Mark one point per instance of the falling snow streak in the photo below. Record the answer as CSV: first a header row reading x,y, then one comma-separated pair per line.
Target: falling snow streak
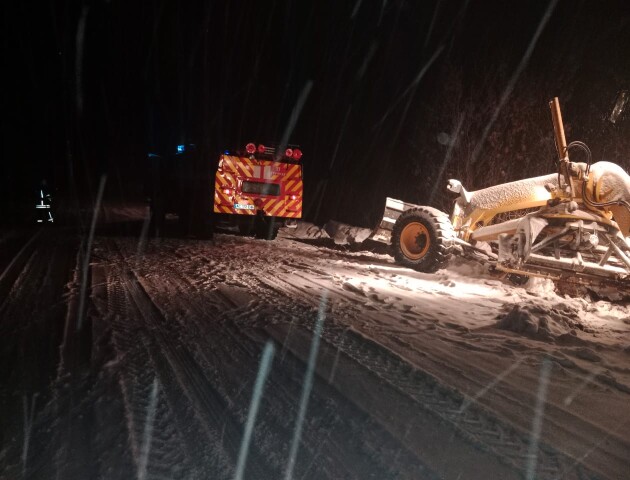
x,y
403,117
333,369
512,82
308,385
468,401
383,7
253,78
534,438
569,398
29,413
148,432
263,372
295,115
144,233
433,20
577,462
355,10
411,88
157,19
322,194
286,340
15,259
366,60
88,249
80,42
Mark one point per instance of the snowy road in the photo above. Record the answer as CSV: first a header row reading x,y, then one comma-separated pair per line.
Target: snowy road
x,y
417,376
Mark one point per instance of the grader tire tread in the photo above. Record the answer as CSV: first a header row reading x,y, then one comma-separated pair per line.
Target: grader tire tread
x,y
441,236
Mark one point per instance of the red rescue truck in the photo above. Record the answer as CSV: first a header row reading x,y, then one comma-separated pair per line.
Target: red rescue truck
x,y
259,189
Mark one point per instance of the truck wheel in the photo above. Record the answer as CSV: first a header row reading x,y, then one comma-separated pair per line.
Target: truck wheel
x,y
267,228
157,219
422,239
246,226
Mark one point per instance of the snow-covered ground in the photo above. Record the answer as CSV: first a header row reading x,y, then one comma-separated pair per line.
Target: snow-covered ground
x,y
457,374
504,346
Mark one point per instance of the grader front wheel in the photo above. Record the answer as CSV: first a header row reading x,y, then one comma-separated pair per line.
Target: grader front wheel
x,y
414,240
422,239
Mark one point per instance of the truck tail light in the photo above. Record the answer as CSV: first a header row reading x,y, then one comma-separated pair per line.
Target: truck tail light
x,y
293,197
250,148
288,153
261,148
297,154
227,191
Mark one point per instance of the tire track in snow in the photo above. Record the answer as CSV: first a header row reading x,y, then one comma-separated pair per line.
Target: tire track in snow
x,y
479,426
135,370
181,375
345,442
33,324
560,421
481,429
178,443
492,430
557,419
276,291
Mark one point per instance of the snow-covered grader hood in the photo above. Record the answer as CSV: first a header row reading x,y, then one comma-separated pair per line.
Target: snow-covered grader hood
x,y
570,225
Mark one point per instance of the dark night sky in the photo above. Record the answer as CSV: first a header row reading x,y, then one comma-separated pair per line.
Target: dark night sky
x,y
156,73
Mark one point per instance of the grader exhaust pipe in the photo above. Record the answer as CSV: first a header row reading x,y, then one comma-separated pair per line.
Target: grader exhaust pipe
x,y
558,128
561,145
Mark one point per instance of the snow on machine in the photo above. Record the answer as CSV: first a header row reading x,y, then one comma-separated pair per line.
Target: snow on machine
x,y
572,225
259,189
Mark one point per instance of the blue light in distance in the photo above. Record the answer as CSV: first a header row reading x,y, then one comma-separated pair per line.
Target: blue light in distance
x,y
181,148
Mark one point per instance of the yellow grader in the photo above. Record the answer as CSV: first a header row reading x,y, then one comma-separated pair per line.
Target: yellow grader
x,y
572,225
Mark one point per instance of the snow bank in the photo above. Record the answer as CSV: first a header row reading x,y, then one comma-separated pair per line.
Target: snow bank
x,y
305,230
340,233
542,323
344,234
